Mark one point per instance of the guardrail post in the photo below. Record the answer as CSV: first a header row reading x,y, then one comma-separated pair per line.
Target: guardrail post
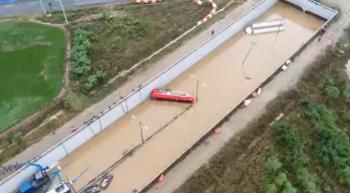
x,y
99,120
65,149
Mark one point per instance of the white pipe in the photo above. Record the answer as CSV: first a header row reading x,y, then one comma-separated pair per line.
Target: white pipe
x,y
267,24
264,27
267,30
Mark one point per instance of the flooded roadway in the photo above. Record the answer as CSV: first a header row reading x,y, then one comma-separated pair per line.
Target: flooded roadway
x,y
224,81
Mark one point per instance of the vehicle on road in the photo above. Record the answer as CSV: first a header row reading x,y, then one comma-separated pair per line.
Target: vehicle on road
x,y
93,189
61,188
37,181
172,95
106,180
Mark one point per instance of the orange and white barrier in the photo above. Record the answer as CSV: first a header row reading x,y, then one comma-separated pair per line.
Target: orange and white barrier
x,y
217,130
256,93
211,13
246,103
161,178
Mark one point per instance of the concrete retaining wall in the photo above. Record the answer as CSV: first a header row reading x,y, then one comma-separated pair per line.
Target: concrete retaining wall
x,y
315,8
116,111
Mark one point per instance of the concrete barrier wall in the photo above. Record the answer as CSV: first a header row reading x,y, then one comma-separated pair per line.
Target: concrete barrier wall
x,y
315,8
98,123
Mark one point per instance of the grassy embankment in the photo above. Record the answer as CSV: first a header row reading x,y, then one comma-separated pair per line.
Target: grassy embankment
x,y
32,67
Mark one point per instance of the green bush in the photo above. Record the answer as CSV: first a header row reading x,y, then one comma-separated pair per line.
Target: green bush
x,y
270,188
307,181
320,115
18,141
345,173
93,81
332,145
332,92
80,53
287,138
346,91
272,164
333,149
281,179
328,80
346,116
330,87
289,188
106,16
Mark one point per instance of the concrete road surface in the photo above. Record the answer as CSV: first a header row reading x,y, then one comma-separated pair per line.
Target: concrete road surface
x,y
17,7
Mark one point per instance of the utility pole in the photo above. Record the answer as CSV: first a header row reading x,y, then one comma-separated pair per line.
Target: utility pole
x,y
197,85
141,132
42,6
64,12
252,44
140,127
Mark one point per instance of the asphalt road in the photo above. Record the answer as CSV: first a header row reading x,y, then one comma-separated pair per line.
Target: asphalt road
x,y
17,7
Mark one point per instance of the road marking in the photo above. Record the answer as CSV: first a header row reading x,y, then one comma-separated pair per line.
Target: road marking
x,y
90,2
33,3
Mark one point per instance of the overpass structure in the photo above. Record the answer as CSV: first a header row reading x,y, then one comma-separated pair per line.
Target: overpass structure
x,y
224,70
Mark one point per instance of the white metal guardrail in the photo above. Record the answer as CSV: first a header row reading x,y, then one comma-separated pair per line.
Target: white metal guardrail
x,y
98,123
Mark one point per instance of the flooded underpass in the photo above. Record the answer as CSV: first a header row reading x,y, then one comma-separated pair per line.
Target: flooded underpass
x,y
225,77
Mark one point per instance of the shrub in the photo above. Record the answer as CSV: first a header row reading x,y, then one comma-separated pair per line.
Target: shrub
x,y
270,188
281,179
346,91
328,80
332,92
345,173
93,81
332,145
106,16
272,164
18,140
346,116
287,137
80,53
320,115
307,181
289,188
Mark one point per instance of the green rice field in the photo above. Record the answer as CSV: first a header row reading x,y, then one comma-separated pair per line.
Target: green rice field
x,y
31,69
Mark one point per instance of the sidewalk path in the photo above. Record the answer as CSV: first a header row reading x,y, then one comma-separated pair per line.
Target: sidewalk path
x,y
13,8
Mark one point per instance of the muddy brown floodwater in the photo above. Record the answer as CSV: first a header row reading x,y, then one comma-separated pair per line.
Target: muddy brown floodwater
x,y
224,81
